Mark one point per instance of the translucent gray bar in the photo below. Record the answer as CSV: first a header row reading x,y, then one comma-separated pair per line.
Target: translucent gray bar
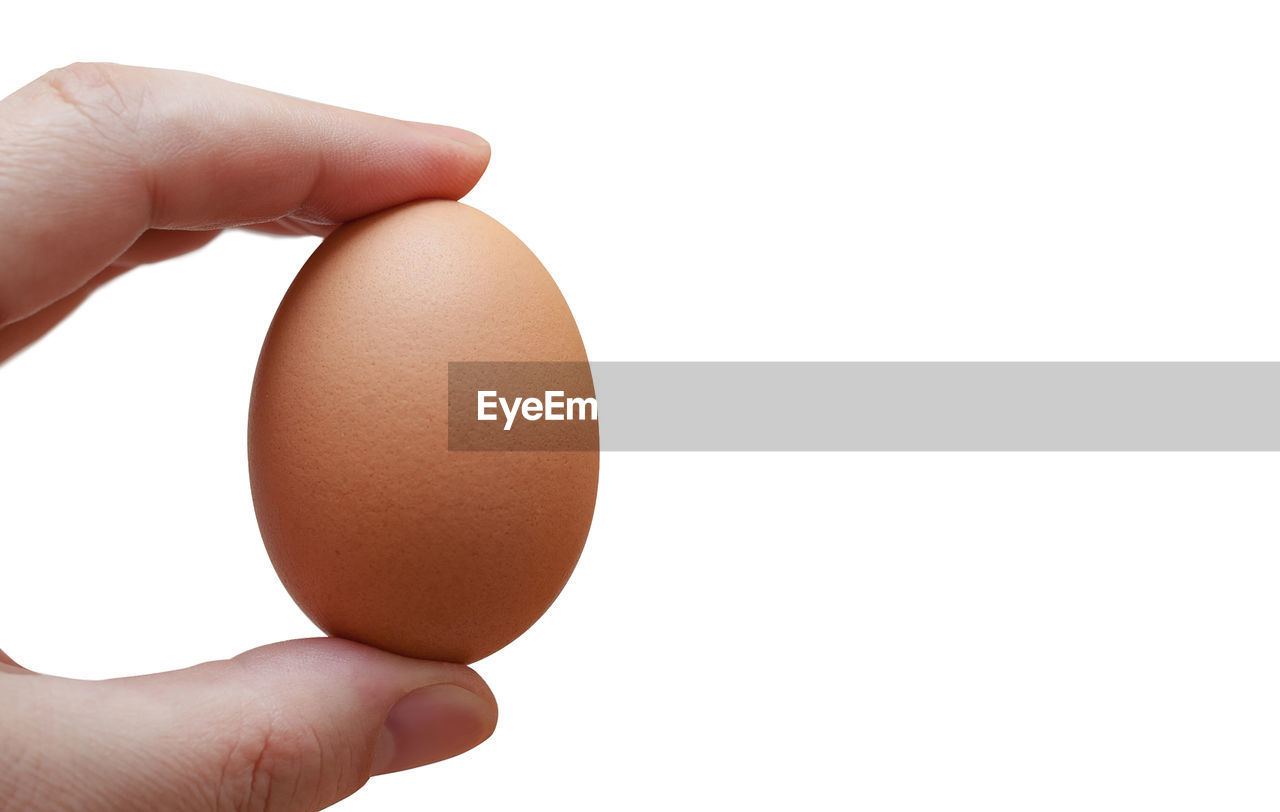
x,y
927,406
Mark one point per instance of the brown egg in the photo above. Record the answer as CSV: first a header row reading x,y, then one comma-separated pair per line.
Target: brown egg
x,y
379,531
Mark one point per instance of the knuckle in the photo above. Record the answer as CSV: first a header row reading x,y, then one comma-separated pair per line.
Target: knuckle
x,y
106,95
274,764
252,768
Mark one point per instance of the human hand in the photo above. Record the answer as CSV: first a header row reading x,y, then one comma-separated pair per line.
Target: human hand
x,y
106,167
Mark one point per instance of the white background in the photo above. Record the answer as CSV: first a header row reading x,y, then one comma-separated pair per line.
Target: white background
x,y
877,181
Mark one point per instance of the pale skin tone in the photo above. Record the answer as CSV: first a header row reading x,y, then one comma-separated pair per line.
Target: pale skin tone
x,y
107,167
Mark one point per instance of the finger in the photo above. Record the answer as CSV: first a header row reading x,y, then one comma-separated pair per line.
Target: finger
x,y
296,725
19,335
153,246
8,665
290,227
157,245
92,155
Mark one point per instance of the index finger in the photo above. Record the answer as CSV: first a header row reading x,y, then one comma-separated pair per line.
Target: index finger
x,y
92,155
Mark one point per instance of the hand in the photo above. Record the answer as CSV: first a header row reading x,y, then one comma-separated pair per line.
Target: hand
x,y
106,167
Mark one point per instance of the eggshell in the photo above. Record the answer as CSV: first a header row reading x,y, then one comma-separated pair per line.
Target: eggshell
x,y
380,533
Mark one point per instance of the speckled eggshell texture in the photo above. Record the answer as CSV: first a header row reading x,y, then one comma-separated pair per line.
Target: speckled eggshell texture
x,y
379,532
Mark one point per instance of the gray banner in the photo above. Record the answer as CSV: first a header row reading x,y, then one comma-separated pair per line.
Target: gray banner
x,y
927,406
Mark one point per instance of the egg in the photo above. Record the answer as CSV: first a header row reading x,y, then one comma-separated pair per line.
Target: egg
x,y
381,531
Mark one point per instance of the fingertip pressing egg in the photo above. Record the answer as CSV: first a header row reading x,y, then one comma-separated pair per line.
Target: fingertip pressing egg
x,y
380,531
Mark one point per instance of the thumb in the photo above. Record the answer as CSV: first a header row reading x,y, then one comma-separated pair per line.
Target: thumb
x,y
291,726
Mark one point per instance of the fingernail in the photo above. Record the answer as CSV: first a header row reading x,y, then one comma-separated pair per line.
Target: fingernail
x,y
458,134
431,724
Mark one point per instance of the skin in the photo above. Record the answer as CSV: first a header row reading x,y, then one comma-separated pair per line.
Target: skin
x,y
106,167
